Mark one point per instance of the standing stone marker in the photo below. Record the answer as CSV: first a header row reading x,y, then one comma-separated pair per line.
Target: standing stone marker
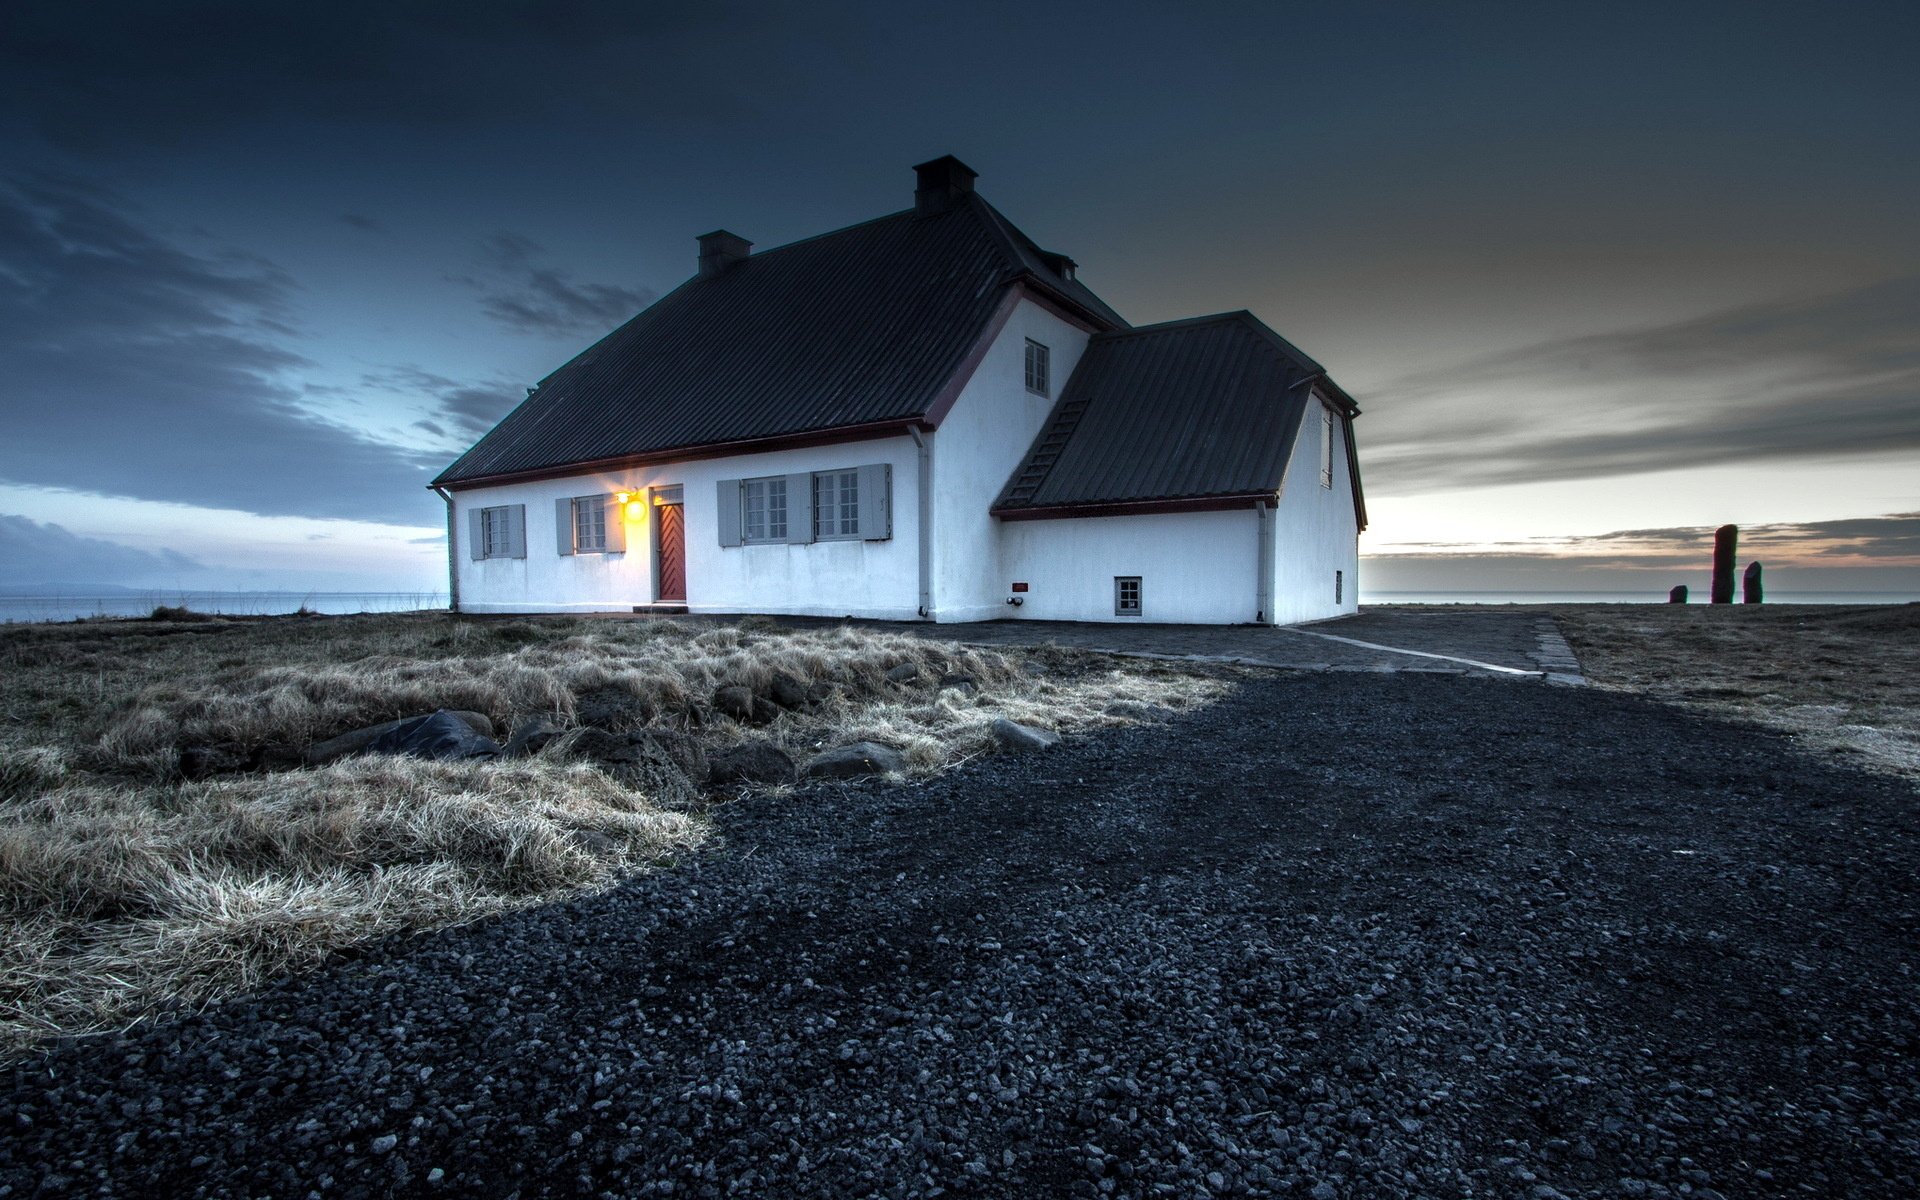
x,y
1678,595
1726,540
1751,583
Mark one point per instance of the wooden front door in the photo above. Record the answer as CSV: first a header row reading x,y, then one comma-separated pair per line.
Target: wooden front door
x,y
673,555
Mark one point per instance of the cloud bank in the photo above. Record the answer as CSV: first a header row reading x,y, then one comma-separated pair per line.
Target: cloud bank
x,y
33,553
136,367
1830,377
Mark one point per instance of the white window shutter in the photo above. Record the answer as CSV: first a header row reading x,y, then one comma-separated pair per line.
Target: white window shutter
x,y
616,517
563,525
799,509
476,533
728,509
517,535
876,502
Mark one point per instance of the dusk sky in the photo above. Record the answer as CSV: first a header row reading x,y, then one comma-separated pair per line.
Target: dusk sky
x,y
1601,276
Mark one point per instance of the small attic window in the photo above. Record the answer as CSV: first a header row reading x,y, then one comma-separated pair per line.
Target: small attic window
x,y
1037,357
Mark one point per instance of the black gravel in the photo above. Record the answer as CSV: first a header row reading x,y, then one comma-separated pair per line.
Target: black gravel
x,y
1339,936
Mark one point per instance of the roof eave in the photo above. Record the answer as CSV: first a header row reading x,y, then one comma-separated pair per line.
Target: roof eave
x,y
1125,508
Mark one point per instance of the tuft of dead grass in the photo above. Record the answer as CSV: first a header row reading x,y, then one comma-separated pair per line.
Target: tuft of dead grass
x,y
126,890
123,900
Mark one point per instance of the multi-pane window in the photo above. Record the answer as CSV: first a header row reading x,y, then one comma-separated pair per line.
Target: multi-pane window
x,y
590,525
763,509
496,531
1326,446
836,504
1126,596
1037,356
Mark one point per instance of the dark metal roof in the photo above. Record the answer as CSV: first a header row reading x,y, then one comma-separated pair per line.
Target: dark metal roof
x,y
853,328
1185,411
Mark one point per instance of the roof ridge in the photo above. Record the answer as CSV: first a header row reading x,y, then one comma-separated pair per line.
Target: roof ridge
x,y
1240,315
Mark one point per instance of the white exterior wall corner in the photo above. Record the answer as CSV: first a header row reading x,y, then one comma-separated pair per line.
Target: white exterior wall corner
x,y
1199,568
1315,531
876,579
983,437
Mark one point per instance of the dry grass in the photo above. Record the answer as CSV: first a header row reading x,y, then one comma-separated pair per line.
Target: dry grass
x,y
127,889
1843,677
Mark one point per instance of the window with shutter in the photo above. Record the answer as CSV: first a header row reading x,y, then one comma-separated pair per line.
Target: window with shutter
x,y
590,525
496,532
763,509
836,504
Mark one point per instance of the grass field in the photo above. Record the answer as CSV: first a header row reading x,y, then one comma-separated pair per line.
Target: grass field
x,y
127,888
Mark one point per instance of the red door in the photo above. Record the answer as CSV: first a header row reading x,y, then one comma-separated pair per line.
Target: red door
x,y
673,555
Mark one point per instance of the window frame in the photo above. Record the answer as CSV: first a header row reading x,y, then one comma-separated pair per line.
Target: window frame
x,y
582,545
767,535
1041,354
1326,446
496,531
842,477
1120,606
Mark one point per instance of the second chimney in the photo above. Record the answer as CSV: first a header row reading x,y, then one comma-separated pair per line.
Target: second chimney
x,y
941,184
720,250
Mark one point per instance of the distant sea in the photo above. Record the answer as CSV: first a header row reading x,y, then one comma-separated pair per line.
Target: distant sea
x,y
55,607
1698,597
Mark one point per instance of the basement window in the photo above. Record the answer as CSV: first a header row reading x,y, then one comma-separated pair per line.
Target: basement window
x,y
1126,596
1037,368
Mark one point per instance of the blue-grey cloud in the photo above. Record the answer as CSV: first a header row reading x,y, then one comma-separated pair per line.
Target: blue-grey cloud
x,y
137,367
528,296
36,553
1829,377
109,74
363,223
463,411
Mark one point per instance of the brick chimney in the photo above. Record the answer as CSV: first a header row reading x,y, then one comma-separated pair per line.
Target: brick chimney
x,y
941,184
720,250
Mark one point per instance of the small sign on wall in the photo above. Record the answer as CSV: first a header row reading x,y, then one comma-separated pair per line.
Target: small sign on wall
x,y
1020,587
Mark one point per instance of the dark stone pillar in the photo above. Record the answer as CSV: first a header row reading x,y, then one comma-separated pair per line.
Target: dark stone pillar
x,y
1726,540
1751,583
1677,595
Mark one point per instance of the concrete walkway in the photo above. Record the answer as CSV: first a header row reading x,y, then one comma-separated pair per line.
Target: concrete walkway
x,y
1506,641
1512,643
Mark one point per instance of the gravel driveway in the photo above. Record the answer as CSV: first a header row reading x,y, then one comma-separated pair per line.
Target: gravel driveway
x,y
1337,936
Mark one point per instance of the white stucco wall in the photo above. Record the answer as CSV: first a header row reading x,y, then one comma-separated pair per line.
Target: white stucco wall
x,y
1199,568
1315,532
835,578
983,438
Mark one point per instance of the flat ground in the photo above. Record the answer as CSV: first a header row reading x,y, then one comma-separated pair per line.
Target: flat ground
x,y
1339,934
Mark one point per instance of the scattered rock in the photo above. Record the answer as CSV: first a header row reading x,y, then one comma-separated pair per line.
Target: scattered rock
x,y
959,683
530,736
787,691
611,707
764,710
855,760
1019,738
653,762
750,762
360,740
820,693
734,701
443,736
222,758
906,672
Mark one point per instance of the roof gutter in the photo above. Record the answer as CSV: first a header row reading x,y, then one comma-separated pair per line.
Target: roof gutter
x,y
784,441
1126,508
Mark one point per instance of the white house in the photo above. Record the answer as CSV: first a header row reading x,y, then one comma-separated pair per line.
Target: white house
x,y
924,416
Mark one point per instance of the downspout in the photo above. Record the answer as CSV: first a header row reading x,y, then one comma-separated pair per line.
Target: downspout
x,y
453,569
924,480
1265,529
